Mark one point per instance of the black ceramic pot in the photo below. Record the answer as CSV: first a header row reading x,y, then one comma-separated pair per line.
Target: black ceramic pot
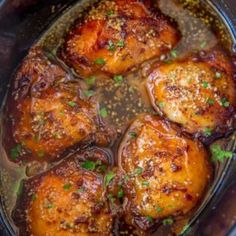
x,y
23,21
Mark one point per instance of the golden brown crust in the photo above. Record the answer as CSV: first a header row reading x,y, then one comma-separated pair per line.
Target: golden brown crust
x,y
48,113
165,173
199,93
121,33
68,200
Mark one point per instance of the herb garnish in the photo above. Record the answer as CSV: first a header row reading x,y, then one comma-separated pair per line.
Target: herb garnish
x,y
207,132
132,134
120,43
173,53
219,154
168,221
103,112
205,84
149,219
111,46
109,177
15,152
118,79
138,171
71,104
100,61
210,101
224,102
89,165
67,186
90,80
88,93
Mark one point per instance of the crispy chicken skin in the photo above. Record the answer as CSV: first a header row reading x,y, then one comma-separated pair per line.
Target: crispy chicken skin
x,y
68,200
199,92
118,35
165,172
47,112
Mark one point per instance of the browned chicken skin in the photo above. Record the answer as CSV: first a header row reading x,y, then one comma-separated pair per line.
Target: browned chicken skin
x,y
118,35
48,113
165,172
68,200
199,92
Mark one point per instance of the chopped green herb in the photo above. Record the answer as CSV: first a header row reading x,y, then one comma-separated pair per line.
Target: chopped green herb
x,y
90,80
224,102
203,44
50,206
161,104
88,165
168,221
15,152
127,178
138,171
80,190
173,53
102,168
120,193
145,183
110,12
20,188
67,186
103,112
100,61
88,93
207,132
109,177
41,153
159,209
205,84
218,75
132,134
71,104
149,219
120,43
111,198
218,154
118,79
111,46
210,101
34,197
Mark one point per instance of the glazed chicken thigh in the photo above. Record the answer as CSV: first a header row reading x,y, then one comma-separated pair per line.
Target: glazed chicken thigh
x,y
165,172
118,35
68,200
199,93
47,112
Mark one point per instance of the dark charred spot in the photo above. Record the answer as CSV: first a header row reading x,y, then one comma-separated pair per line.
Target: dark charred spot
x,y
81,219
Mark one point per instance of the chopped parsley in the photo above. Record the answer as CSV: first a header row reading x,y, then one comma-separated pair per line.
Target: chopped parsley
x,y
205,84
109,177
111,46
159,209
149,219
120,44
89,165
145,183
210,101
111,198
173,53
118,79
207,132
110,12
67,186
90,80
138,171
15,152
132,134
168,221
219,154
224,102
88,93
50,206
203,44
41,153
103,112
120,193
33,197
100,61
80,190
71,104
218,75
161,104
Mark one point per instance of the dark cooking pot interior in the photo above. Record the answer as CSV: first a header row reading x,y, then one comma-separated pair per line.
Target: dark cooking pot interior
x,y
23,21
